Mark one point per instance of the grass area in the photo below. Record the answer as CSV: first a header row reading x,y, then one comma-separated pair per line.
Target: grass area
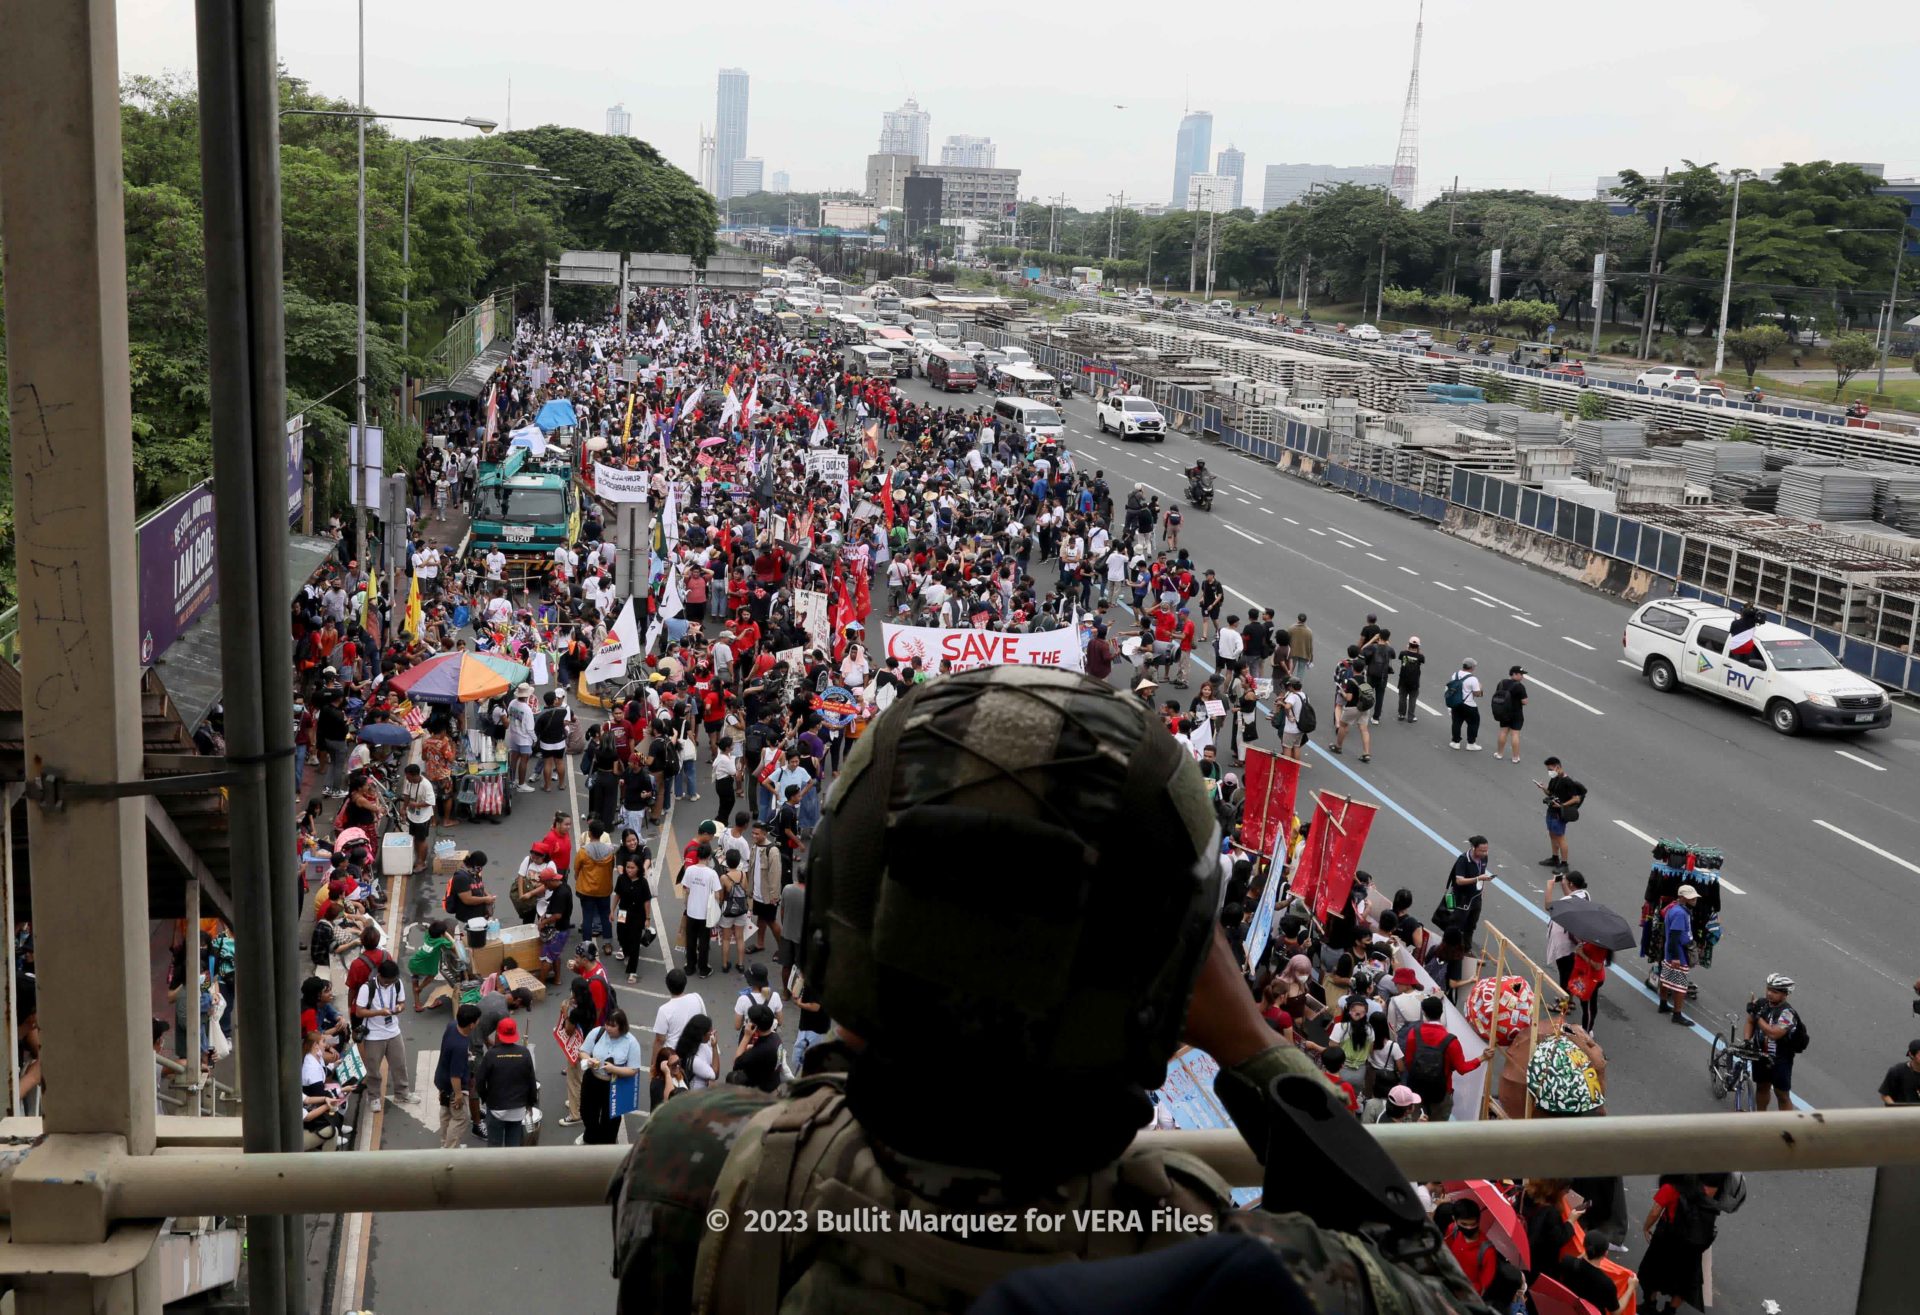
x,y
1903,390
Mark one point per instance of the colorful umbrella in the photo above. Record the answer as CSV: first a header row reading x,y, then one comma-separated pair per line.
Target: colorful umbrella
x,y
453,678
385,734
514,673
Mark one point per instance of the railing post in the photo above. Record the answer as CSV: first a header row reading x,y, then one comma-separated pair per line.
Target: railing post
x,y
1886,1274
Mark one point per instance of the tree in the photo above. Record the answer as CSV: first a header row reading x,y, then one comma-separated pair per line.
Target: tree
x,y
1403,300
1751,347
1533,316
1851,353
1485,316
1449,304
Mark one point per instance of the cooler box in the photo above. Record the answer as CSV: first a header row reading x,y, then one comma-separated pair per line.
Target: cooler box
x,y
522,945
396,854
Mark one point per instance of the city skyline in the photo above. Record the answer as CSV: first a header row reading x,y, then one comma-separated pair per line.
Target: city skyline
x,y
1192,149
905,131
1715,97
729,128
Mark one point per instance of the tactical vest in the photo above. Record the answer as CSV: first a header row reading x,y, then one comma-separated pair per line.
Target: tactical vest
x,y
808,1154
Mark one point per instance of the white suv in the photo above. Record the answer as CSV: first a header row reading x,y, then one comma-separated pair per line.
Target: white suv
x,y
1659,376
1131,417
1786,676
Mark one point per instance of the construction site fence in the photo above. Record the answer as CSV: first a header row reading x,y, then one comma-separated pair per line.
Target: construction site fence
x,y
1832,609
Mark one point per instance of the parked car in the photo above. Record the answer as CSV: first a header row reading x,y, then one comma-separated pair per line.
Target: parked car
x,y
1659,376
1364,333
1414,338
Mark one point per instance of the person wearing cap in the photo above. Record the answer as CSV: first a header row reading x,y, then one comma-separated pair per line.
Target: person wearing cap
x,y
1564,796
520,738
1675,963
1402,1104
1510,710
1901,1085
1402,1010
1770,1022
1466,713
506,1085
755,992
1408,680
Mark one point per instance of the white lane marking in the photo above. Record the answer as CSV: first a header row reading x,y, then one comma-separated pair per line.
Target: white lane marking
x,y
1375,601
1311,530
1628,662
1523,621
1230,589
1864,844
1345,544
1862,761
1249,492
1589,647
1495,597
1349,534
1291,521
1535,680
1242,533
1243,502
1376,557
1268,510
1731,887
1409,570
1631,829
1444,585
1484,603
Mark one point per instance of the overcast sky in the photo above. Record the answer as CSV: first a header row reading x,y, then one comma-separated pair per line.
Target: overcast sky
x,y
1544,96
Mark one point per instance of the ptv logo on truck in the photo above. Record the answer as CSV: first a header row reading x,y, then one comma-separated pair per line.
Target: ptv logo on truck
x,y
1739,678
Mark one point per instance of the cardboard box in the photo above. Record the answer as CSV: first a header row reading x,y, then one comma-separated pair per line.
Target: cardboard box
x,y
521,977
445,865
486,958
522,945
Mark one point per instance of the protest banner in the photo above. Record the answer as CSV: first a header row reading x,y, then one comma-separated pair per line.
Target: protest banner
x,y
617,485
966,649
622,642
810,610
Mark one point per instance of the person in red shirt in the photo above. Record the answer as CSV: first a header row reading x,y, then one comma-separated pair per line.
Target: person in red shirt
x,y
1331,1060
1185,631
559,842
1430,1034
1472,1252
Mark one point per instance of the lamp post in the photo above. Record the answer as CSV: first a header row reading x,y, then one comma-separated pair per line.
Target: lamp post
x,y
1726,283
360,116
1893,297
1117,200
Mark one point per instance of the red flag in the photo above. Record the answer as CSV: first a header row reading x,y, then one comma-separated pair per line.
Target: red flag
x,y
873,441
862,598
839,612
886,498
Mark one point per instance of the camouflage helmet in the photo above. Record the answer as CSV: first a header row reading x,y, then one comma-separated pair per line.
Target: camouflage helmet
x,y
1010,893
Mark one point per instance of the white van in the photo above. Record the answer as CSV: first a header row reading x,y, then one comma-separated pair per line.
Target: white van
x,y
1037,420
948,332
1788,677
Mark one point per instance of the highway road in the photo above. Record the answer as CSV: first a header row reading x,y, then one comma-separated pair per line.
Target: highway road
x,y
1819,833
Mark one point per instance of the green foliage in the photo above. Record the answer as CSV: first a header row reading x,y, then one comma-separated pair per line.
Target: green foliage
x,y
1485,317
1405,299
1751,347
1593,406
1447,304
1533,316
1495,388
1851,353
1739,434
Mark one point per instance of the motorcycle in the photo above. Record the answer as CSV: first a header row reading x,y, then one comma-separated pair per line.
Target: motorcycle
x,y
1857,410
1756,396
1200,492
1486,347
1464,344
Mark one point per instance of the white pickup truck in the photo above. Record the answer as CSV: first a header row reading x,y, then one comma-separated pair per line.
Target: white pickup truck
x,y
1788,677
1131,417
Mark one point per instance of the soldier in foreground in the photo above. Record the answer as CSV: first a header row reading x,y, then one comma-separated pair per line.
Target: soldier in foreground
x,y
1011,921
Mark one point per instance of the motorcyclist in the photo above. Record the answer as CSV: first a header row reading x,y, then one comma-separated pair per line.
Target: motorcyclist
x,y
1857,409
1486,346
1196,470
1464,344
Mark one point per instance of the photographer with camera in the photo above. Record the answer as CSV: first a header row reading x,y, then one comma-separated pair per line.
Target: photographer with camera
x,y
1776,1034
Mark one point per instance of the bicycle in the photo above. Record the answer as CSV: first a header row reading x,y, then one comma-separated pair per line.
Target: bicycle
x,y
1730,1067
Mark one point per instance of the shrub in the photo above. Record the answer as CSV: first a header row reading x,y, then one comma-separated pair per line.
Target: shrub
x,y
1592,406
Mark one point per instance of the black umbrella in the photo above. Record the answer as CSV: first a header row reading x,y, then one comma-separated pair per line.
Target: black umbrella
x,y
1585,920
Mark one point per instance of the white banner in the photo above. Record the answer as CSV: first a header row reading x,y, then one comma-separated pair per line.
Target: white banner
x,y
810,610
828,466
622,642
617,485
967,649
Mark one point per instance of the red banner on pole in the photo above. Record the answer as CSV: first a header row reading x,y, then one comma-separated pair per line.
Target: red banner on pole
x,y
1283,788
1343,857
1253,819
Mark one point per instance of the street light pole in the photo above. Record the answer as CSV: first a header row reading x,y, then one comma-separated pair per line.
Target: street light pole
x,y
1726,283
360,304
1893,297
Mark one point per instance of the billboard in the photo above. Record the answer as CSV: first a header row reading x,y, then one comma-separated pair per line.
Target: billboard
x,y
177,579
296,454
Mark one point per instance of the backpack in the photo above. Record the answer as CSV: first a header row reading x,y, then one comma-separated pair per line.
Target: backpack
x,y
1502,702
1426,1066
1797,1039
1362,697
733,900
1308,720
1457,690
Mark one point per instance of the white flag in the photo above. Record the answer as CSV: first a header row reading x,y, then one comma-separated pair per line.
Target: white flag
x,y
730,408
819,434
670,515
655,629
693,400
671,604
622,642
1200,737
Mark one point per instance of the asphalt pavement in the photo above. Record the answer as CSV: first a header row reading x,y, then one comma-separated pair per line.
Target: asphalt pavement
x,y
1818,832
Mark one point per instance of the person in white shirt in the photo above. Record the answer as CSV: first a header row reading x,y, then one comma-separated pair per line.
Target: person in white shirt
x,y
497,567
755,992
1229,645
378,1003
499,610
670,1019
418,797
426,565
699,887
1466,714
1292,741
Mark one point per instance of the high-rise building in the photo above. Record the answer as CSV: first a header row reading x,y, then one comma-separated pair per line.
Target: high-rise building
x,y
887,173
1286,183
1209,192
781,182
619,122
1232,163
1191,151
969,152
747,175
967,193
729,130
904,131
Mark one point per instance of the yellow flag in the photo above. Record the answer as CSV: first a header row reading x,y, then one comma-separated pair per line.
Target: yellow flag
x,y
413,608
626,427
369,599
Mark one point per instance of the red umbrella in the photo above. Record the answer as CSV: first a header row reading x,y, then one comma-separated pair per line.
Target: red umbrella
x,y
1501,1223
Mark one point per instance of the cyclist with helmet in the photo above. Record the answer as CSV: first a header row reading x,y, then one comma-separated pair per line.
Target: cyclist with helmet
x,y
1770,1022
